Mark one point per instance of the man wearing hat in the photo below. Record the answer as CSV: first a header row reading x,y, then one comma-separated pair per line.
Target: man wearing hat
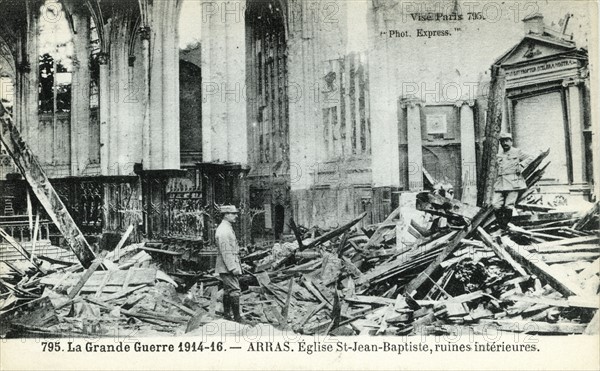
x,y
510,181
228,262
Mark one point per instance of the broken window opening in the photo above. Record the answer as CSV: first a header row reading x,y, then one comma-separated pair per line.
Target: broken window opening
x,y
55,59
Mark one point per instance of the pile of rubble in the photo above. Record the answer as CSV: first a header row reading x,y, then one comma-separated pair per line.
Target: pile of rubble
x,y
433,266
427,269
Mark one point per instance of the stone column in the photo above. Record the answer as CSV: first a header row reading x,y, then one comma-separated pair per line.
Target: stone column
x,y
224,127
145,39
415,146
385,155
80,103
467,153
28,83
578,160
305,116
104,110
161,123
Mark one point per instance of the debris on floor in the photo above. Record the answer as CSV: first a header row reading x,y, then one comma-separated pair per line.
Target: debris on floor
x,y
433,266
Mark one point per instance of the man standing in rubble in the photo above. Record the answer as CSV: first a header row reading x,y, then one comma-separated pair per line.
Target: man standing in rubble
x,y
228,263
510,182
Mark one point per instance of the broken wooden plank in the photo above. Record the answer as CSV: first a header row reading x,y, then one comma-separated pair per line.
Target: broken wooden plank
x,y
311,313
313,290
573,301
543,247
123,293
180,306
17,246
533,207
449,208
297,233
88,273
569,257
156,316
387,223
464,232
371,300
166,252
334,233
487,239
117,252
590,271
558,280
391,268
33,172
139,276
535,326
286,309
583,247
587,217
103,284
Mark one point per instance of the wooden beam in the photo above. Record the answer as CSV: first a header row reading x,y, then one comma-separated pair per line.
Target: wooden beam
x,y
464,232
334,233
543,247
11,241
124,238
535,264
500,251
585,219
569,257
88,273
297,233
590,248
573,301
590,271
286,309
535,326
381,228
33,172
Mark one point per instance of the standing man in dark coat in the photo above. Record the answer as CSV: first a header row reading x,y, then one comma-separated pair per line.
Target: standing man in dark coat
x,y
510,181
228,262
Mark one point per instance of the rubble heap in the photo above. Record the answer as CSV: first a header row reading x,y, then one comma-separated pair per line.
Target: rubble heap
x,y
434,266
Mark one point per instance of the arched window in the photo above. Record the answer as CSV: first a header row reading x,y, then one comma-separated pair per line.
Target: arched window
x,y
55,59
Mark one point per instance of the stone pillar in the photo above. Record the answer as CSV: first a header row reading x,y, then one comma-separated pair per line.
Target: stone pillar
x,y
305,108
164,87
145,39
104,108
578,160
27,83
415,146
80,103
224,131
467,153
385,155
119,100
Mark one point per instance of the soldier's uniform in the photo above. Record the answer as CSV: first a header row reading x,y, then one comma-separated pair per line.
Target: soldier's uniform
x,y
228,265
510,181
